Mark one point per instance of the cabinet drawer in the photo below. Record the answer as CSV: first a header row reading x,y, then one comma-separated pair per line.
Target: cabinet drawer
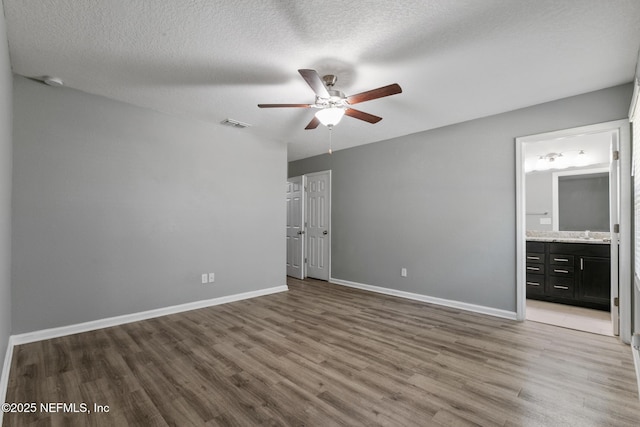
x,y
561,270
561,287
535,284
535,268
561,259
535,258
579,249
537,247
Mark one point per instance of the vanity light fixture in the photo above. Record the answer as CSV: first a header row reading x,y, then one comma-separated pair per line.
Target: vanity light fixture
x,y
551,157
581,159
549,161
566,159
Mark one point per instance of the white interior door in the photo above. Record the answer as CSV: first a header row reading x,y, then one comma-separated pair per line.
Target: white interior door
x,y
614,218
295,229
317,227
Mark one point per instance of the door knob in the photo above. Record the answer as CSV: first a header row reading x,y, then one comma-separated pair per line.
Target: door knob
x,y
325,232
300,232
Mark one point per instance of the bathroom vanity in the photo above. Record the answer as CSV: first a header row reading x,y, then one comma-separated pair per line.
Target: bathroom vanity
x,y
569,271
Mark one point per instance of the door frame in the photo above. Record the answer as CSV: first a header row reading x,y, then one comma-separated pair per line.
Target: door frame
x,y
621,127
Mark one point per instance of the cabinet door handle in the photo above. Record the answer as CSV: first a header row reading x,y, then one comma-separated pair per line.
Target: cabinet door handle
x,y
533,268
555,270
561,259
533,257
581,263
561,287
533,283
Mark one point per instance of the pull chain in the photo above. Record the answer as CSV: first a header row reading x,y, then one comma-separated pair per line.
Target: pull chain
x,y
330,132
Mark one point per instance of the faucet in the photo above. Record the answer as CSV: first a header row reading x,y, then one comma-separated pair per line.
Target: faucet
x,y
586,234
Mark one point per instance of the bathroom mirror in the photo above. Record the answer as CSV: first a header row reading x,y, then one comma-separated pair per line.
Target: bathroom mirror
x,y
575,199
581,201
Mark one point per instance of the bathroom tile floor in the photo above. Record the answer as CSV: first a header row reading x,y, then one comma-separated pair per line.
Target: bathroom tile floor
x,y
567,316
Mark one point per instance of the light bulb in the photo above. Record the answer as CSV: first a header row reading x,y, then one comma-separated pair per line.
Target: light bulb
x,y
330,116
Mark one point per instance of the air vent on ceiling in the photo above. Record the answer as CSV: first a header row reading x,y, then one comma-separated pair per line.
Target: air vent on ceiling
x,y
235,123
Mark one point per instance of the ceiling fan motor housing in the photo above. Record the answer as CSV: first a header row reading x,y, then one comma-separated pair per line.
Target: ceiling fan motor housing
x,y
329,80
336,99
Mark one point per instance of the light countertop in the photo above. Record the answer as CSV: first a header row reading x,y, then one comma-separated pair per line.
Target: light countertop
x,y
592,240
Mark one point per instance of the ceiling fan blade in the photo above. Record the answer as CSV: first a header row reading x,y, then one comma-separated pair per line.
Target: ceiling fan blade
x,y
313,79
357,114
381,92
313,123
284,105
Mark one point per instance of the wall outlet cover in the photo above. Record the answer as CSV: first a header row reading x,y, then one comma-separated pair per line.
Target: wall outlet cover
x,y
212,277
205,279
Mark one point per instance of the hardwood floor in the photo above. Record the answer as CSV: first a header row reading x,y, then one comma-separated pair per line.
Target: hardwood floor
x,y
322,355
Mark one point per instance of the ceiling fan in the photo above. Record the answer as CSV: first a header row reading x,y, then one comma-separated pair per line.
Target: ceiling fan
x,y
333,104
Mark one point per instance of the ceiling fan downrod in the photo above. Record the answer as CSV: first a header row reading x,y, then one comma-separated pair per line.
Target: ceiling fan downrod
x,y
329,80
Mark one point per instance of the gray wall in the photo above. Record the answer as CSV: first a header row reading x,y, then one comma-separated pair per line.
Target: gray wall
x,y
5,190
442,203
119,209
538,199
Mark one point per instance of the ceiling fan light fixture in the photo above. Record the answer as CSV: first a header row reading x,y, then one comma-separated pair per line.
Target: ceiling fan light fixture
x,y
333,104
330,116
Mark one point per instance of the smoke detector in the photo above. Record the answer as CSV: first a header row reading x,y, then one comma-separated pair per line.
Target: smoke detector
x,y
52,81
235,123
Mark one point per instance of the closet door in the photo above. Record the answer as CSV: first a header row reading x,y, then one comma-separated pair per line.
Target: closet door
x,y
295,227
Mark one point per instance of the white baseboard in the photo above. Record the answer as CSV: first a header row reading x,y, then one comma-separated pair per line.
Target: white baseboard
x,y
512,315
4,378
114,321
46,334
636,362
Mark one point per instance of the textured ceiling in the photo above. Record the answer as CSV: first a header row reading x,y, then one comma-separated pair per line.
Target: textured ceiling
x,y
456,60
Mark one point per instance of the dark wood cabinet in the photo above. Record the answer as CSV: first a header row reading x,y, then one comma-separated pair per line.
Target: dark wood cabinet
x,y
595,271
569,273
535,279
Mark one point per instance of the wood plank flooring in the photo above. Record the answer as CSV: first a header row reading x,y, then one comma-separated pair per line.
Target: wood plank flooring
x,y
326,355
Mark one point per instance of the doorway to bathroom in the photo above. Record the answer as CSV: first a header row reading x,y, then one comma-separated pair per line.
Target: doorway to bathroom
x,y
573,270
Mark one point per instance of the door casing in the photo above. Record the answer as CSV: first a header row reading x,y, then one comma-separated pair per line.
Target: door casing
x,y
622,130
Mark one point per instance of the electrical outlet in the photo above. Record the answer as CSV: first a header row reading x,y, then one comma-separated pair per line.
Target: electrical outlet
x,y
403,272
212,277
205,278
